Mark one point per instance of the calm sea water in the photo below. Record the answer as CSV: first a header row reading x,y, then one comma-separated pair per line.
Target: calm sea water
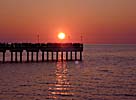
x,y
108,72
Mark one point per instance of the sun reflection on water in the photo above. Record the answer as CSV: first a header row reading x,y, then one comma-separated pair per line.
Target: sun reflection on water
x,y
62,87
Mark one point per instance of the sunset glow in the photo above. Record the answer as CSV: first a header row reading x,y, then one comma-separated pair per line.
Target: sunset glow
x,y
101,21
61,35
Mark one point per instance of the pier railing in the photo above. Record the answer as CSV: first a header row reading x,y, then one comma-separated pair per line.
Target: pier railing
x,y
44,48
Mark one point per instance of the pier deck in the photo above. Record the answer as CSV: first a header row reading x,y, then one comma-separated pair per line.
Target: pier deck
x,y
64,48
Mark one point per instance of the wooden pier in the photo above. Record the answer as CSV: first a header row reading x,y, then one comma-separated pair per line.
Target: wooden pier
x,y
66,49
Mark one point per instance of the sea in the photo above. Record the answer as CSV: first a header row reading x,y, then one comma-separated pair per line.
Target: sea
x,y
107,72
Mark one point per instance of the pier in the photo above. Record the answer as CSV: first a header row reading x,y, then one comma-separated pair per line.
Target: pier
x,y
68,50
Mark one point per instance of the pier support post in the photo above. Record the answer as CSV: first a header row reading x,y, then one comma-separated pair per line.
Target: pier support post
x,y
27,56
3,57
16,56
56,56
62,56
75,55
52,55
32,58
37,56
47,56
21,56
66,56
43,56
80,55
71,55
11,56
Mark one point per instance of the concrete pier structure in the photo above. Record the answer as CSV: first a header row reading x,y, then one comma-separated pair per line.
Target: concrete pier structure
x,y
50,50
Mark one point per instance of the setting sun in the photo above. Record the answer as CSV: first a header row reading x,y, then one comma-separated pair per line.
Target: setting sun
x,y
61,35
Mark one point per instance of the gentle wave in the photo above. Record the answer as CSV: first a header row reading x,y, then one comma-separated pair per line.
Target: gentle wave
x,y
107,73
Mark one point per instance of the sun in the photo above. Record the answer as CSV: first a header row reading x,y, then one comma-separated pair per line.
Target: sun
x,y
61,36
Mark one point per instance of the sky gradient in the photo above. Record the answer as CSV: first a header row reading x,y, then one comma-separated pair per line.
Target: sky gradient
x,y
99,21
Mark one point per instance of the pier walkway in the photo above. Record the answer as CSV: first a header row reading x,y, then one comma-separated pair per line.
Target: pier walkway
x,y
66,49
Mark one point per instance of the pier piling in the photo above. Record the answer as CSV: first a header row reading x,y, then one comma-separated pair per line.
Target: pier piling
x,y
80,56
27,56
47,56
62,56
56,56
21,57
54,51
52,56
37,56
71,55
11,56
75,55
42,56
32,58
66,56
3,57
16,57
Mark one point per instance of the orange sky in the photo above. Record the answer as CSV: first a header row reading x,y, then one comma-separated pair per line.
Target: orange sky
x,y
100,21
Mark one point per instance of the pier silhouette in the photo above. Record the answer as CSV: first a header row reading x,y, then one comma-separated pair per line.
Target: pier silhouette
x,y
32,48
